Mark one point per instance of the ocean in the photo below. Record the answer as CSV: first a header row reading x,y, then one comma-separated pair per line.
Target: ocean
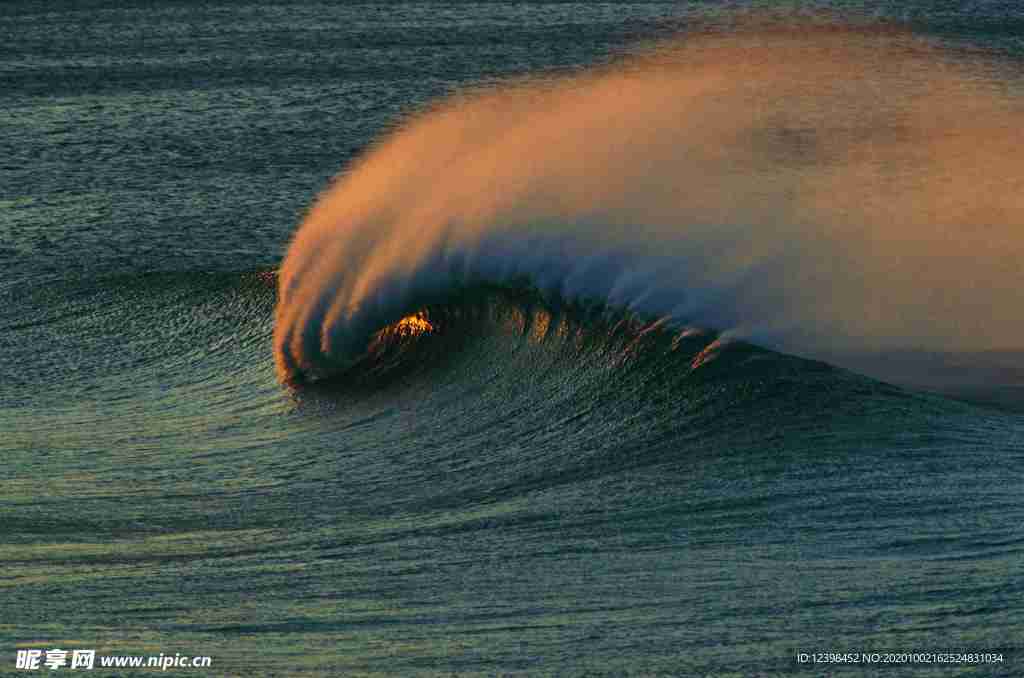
x,y
512,338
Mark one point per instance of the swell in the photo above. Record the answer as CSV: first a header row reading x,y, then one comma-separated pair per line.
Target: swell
x,y
122,336
830,193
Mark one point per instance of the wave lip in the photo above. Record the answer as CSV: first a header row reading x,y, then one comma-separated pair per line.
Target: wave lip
x,y
826,192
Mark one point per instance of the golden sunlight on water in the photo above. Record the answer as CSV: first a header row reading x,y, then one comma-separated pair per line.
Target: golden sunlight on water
x,y
541,324
409,326
397,334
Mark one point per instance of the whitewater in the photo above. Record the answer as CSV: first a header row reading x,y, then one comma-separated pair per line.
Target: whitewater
x,y
831,193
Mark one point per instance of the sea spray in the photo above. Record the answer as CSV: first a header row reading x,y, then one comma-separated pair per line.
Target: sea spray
x,y
833,193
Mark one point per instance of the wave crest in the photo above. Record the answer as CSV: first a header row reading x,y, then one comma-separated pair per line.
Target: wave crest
x,y
824,192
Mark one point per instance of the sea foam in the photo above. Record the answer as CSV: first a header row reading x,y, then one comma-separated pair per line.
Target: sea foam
x,y
832,193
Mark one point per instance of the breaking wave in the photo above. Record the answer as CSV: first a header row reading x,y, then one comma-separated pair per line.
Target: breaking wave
x,y
837,194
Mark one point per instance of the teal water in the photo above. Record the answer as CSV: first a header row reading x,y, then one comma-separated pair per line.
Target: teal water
x,y
528,490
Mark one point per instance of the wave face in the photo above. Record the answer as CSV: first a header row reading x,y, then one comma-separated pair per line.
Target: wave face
x,y
501,472
831,193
